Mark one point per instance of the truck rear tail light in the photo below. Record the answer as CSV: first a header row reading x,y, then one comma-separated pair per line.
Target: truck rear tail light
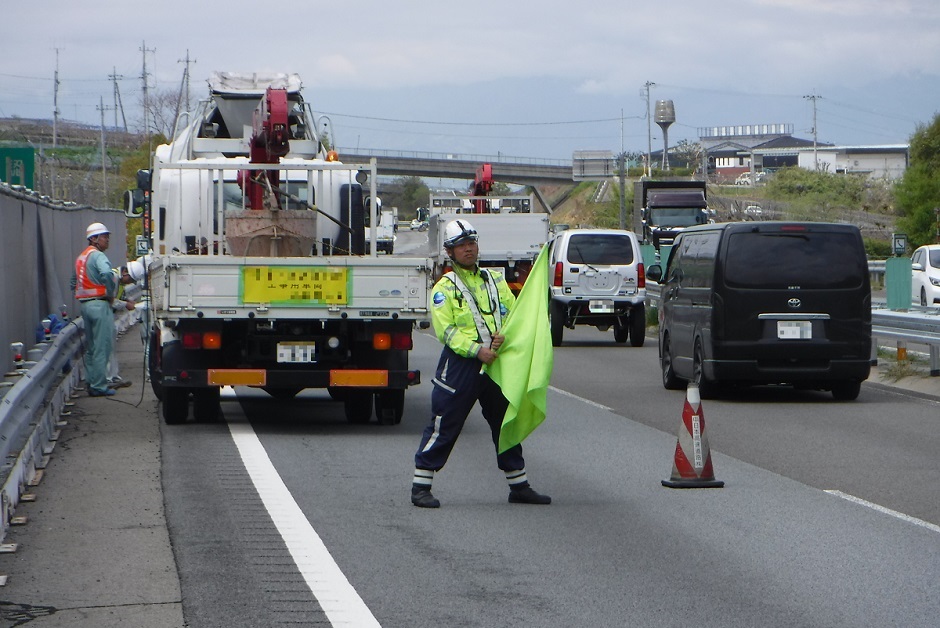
x,y
381,341
559,273
640,275
202,340
212,340
402,341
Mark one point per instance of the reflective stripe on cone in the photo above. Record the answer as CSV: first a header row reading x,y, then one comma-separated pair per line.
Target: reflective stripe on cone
x,y
692,464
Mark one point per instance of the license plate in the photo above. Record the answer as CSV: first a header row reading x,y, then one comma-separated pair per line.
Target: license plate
x,y
601,306
296,352
794,330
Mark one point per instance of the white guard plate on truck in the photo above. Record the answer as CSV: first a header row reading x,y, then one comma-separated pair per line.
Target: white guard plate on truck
x,y
794,330
601,306
297,352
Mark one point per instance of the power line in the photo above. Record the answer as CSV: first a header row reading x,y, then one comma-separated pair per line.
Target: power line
x,y
557,123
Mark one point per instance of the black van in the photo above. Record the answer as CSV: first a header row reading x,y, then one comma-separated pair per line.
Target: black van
x,y
766,303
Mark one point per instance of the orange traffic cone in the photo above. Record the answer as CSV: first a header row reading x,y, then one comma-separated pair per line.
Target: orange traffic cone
x,y
692,467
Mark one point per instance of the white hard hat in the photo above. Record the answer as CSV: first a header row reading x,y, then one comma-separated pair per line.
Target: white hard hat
x,y
96,228
136,270
457,231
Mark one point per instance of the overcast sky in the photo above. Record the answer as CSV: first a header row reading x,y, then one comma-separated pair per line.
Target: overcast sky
x,y
535,79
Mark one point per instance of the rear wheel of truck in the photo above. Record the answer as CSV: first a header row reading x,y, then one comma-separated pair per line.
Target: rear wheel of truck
x,y
556,315
638,326
358,407
390,406
206,405
153,367
175,405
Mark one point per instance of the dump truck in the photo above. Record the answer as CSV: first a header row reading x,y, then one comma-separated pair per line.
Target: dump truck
x,y
667,207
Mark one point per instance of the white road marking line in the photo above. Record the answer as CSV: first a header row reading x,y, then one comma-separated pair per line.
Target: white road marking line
x,y
573,396
887,511
334,593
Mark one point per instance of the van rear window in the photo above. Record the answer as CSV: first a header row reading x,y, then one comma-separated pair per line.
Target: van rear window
x,y
600,249
808,259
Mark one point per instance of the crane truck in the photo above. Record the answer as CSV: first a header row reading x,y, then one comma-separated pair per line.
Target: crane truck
x,y
259,275
511,234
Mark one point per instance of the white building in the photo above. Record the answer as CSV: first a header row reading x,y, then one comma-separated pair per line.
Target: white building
x,y
888,161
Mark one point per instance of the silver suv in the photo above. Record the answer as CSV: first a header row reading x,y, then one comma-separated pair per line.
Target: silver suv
x,y
598,279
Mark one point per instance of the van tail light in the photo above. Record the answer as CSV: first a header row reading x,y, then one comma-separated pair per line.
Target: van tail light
x,y
559,273
640,275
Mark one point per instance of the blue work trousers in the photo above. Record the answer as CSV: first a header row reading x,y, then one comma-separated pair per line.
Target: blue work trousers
x,y
98,319
458,384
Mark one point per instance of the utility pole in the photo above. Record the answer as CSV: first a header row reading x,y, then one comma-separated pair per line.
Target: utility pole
x,y
118,105
814,97
649,131
622,163
104,156
143,77
55,121
187,61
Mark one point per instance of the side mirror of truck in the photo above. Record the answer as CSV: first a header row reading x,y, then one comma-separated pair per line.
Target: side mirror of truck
x,y
135,200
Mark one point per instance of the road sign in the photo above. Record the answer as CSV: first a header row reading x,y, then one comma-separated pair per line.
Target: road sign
x,y
899,243
143,246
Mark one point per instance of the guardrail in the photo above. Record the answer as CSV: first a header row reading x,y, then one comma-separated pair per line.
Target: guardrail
x,y
32,405
917,326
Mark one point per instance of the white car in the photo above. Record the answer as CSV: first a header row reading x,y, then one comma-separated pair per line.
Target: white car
x,y
598,279
925,275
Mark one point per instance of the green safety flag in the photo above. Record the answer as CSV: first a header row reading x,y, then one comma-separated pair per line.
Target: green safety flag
x,y
524,366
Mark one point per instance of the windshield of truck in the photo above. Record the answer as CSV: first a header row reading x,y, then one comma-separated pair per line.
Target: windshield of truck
x,y
797,259
296,197
600,249
678,216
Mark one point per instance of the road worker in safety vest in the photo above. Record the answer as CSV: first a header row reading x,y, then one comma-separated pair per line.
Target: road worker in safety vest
x,y
469,305
95,285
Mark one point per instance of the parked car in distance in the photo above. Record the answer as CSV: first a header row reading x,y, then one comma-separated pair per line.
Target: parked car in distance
x,y
769,303
925,275
753,212
419,225
598,279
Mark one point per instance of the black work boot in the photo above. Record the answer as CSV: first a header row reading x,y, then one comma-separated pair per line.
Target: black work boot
x,y
526,495
422,498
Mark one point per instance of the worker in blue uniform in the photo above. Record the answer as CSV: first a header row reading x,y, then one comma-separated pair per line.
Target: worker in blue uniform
x,y
469,305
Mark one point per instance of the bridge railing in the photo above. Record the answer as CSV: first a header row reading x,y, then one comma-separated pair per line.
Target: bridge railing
x,y
474,158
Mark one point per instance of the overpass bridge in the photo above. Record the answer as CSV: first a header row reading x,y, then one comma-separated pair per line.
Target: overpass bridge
x,y
528,171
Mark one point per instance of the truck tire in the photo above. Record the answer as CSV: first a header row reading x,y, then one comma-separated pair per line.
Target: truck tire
x,y
153,367
358,407
206,405
390,406
556,315
638,326
175,405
